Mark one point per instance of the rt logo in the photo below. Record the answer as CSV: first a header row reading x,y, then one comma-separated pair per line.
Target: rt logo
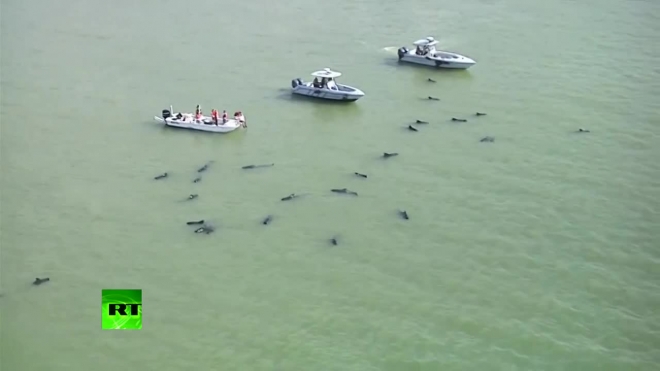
x,y
121,309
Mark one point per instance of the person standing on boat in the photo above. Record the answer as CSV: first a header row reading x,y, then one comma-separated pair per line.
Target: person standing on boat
x,y
224,117
214,116
198,113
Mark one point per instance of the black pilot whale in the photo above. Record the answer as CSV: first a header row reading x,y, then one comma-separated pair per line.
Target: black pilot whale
x,y
256,166
205,167
207,229
290,197
39,281
344,191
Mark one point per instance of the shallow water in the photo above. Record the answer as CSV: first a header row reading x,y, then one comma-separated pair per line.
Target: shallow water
x,y
538,251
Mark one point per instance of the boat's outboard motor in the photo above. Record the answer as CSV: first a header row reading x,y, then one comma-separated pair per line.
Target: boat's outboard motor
x,y
166,113
402,51
294,83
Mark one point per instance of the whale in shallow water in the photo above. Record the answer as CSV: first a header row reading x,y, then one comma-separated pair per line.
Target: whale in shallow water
x,y
361,175
267,220
256,166
205,167
388,155
412,128
433,98
458,120
161,176
404,214
583,131
344,191
195,222
334,241
430,80
290,197
480,114
193,196
197,180
205,229
487,139
421,122
39,281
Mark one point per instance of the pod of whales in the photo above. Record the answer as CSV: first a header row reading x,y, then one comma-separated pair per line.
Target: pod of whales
x,y
39,281
257,166
202,228
344,191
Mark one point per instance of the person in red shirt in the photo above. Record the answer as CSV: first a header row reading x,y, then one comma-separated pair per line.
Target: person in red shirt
x,y
214,115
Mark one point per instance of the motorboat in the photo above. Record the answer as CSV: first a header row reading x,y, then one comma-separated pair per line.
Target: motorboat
x,y
200,122
325,86
426,54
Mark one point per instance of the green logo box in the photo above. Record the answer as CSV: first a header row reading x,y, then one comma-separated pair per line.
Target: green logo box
x,y
121,309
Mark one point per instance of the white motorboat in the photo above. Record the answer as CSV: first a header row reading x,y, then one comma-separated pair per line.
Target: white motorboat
x,y
426,54
200,122
326,87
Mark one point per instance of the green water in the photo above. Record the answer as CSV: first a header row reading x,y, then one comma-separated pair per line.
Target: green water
x,y
536,252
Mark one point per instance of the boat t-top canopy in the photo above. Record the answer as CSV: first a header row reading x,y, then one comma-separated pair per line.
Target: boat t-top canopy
x,y
429,41
327,73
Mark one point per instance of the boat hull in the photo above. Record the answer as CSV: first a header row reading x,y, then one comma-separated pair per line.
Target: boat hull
x,y
343,93
201,125
440,60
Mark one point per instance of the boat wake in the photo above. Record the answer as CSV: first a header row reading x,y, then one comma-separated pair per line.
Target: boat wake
x,y
390,49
